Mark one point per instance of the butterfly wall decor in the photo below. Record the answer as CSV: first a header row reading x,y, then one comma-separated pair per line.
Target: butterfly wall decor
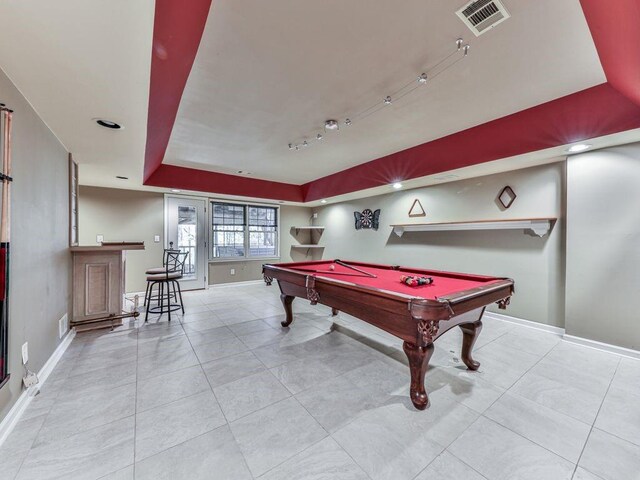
x,y
367,219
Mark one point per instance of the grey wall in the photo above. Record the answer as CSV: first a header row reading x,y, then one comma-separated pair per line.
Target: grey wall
x,y
40,260
536,264
220,272
124,215
603,246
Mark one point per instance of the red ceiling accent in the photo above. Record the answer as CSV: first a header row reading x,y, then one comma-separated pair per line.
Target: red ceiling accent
x,y
615,28
221,183
594,112
602,110
177,32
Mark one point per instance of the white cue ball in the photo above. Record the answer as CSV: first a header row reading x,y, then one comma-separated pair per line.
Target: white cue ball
x,y
332,267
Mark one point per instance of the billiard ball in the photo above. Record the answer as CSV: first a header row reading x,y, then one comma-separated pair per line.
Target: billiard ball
x,y
332,267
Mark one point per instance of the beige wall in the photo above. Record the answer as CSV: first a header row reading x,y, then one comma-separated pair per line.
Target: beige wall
x,y
220,272
536,264
40,260
133,215
124,215
603,246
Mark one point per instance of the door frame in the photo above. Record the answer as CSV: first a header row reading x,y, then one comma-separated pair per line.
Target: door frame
x,y
168,196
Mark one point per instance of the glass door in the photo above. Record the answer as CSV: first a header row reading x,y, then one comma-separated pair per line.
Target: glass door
x,y
185,231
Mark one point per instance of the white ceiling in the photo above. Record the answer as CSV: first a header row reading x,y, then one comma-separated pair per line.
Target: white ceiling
x,y
270,73
75,60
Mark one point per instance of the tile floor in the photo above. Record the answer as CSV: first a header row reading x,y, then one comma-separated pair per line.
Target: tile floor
x,y
224,392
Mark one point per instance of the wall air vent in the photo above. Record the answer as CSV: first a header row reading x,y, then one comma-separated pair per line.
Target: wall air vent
x,y
482,15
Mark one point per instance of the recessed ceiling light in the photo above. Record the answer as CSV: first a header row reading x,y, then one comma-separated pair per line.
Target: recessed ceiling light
x,y
347,122
397,185
581,147
331,125
175,190
323,201
422,78
319,137
119,177
108,124
387,100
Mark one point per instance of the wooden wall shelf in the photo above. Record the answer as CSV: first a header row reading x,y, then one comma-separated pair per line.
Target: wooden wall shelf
x,y
539,226
312,227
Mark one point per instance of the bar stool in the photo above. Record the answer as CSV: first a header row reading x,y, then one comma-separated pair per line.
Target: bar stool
x,y
174,270
162,269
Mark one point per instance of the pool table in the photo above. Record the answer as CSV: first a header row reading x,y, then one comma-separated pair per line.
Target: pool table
x,y
418,315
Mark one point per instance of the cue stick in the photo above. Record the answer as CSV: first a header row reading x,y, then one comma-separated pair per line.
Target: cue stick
x,y
5,176
331,272
340,262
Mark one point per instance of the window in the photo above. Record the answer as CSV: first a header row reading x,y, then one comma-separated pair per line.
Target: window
x,y
243,231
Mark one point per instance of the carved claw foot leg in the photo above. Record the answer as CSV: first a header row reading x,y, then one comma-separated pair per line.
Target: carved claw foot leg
x,y
287,300
470,332
418,362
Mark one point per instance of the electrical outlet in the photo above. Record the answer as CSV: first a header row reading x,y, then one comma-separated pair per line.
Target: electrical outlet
x,y
156,238
315,215
25,353
63,325
233,271
99,238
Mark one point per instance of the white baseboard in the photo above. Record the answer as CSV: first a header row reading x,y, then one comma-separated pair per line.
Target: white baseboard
x,y
605,347
233,284
13,416
525,323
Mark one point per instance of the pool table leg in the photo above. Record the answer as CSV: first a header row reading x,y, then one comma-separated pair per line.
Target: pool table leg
x,y
470,332
287,300
418,362
334,312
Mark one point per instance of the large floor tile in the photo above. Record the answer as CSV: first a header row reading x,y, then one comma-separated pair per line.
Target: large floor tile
x,y
563,435
610,457
86,411
628,375
208,352
559,396
500,454
620,414
100,360
324,460
212,455
529,340
170,387
300,375
582,474
168,425
464,386
447,467
274,434
159,364
209,336
395,441
126,473
229,369
249,394
502,365
113,376
85,456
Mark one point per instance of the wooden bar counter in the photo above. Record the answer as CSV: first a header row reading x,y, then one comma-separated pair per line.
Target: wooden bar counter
x,y
99,283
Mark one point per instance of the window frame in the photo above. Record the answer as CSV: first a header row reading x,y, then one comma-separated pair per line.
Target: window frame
x,y
247,257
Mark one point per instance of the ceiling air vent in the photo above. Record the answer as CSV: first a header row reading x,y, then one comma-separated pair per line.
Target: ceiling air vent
x,y
482,15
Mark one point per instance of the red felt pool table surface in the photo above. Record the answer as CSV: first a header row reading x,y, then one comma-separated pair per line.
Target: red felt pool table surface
x,y
388,278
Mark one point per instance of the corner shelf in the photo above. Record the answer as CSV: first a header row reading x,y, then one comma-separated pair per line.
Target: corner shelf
x,y
539,226
312,234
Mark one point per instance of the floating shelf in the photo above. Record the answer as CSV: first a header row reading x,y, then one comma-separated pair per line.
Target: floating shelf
x,y
307,246
539,226
312,227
